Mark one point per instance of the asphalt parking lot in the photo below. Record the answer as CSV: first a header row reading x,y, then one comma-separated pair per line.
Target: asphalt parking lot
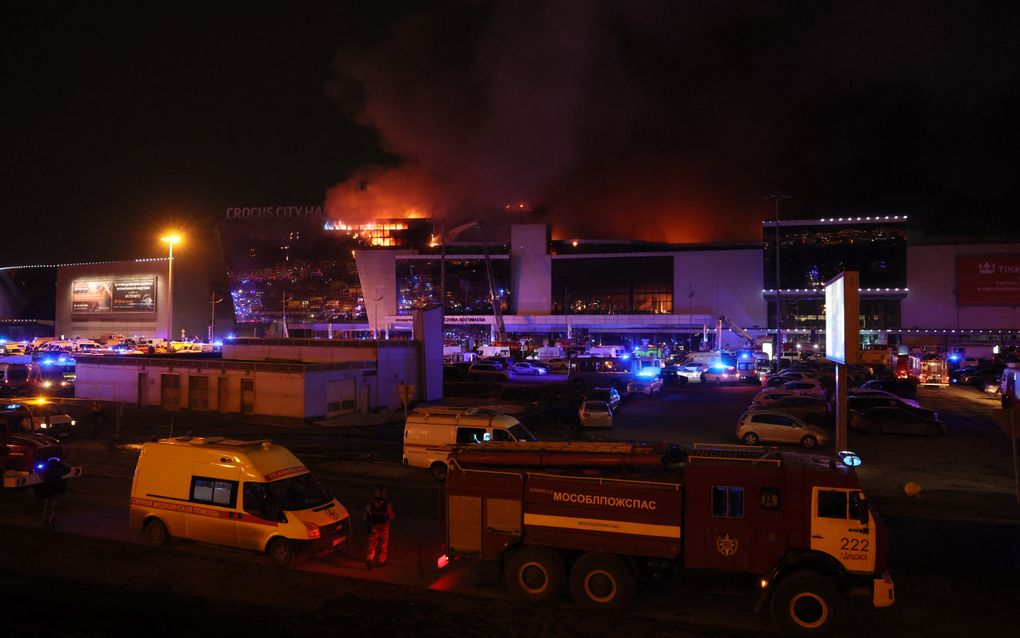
x,y
954,543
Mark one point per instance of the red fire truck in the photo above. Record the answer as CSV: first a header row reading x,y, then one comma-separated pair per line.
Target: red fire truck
x,y
595,518
929,369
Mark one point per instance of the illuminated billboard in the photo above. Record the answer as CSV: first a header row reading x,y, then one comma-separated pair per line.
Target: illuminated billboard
x,y
991,280
842,329
127,295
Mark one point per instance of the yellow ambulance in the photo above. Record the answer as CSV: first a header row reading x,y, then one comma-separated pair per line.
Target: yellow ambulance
x,y
246,494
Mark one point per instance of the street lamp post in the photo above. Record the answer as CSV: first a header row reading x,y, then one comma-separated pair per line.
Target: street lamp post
x,y
777,197
170,240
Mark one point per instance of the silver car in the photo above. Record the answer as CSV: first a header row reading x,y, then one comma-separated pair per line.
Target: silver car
x,y
756,426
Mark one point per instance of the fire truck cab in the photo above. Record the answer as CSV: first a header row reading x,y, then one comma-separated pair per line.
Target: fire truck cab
x,y
596,517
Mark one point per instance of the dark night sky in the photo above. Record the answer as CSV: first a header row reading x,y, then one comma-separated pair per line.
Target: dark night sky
x,y
124,118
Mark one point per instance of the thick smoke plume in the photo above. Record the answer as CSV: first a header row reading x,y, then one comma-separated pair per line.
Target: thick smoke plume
x,y
654,120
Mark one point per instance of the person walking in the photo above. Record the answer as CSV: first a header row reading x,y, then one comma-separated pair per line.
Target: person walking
x,y
378,514
52,489
98,417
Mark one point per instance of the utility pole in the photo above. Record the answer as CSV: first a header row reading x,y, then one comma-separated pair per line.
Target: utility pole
x,y
213,300
777,197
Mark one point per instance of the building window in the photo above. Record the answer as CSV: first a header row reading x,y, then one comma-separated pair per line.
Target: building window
x,y
467,285
616,285
727,501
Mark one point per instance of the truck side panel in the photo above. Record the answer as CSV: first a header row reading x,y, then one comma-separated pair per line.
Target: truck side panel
x,y
638,518
483,511
736,520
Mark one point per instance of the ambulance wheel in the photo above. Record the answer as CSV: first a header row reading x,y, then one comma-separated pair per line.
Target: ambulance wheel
x,y
601,581
809,442
280,551
750,438
438,471
806,604
156,532
534,574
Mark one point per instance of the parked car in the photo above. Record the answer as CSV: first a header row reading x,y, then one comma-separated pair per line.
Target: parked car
x,y
811,388
527,368
770,395
720,373
685,373
993,388
47,418
645,385
609,395
489,372
595,414
808,409
899,387
868,392
895,420
759,425
557,366
860,404
979,374
798,375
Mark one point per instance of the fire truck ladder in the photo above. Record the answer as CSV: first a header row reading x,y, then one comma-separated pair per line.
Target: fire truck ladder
x,y
569,454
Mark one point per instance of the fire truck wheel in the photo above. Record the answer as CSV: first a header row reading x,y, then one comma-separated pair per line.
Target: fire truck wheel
x,y
156,532
600,581
750,438
806,604
534,574
280,551
809,442
438,471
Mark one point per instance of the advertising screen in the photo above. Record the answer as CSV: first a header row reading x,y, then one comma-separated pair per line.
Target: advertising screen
x,y
93,296
842,332
992,280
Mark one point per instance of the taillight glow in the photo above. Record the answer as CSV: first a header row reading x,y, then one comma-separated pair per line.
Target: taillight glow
x,y
442,561
313,531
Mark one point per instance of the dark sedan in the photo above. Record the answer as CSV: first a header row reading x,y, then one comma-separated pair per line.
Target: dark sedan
x,y
888,420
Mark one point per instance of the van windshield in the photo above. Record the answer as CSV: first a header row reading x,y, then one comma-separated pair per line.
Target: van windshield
x,y
299,493
522,433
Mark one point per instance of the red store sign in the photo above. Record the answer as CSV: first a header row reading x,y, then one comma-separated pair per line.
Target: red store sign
x,y
989,279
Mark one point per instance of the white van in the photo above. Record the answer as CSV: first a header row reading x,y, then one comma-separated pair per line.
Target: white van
x,y
245,494
709,358
431,433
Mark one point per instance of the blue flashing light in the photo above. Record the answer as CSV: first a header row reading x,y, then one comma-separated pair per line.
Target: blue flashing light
x,y
719,368
13,406
954,357
648,372
849,459
47,362
40,466
745,355
2,340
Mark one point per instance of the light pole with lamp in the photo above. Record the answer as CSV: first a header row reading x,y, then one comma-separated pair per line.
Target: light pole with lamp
x,y
170,239
778,197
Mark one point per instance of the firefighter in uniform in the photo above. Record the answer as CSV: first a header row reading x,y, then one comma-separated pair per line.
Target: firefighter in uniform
x,y
378,514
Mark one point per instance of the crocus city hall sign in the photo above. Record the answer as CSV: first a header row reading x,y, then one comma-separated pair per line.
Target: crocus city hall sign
x,y
238,213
